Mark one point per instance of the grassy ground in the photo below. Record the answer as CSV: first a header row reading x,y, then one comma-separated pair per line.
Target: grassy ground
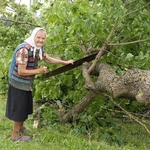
x,y
62,138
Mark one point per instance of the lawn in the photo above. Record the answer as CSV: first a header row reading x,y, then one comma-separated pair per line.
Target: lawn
x,y
60,137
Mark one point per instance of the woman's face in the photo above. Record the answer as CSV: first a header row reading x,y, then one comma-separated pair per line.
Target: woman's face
x,y
40,38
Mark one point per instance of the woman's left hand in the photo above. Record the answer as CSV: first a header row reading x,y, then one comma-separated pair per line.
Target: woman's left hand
x,y
70,62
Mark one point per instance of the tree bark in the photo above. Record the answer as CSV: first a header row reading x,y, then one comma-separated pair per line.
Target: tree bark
x,y
71,115
134,84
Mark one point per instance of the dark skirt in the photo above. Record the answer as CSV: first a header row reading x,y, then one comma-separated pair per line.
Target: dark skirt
x,y
19,104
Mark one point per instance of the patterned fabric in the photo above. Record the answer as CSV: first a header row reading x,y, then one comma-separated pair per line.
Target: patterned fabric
x,y
23,54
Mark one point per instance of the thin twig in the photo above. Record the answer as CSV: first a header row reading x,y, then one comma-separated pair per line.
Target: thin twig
x,y
129,114
127,43
83,44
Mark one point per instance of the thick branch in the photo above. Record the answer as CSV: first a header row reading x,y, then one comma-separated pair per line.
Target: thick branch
x,y
86,75
80,107
100,54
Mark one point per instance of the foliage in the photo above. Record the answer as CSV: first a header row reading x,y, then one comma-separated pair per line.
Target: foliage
x,y
11,34
73,28
69,25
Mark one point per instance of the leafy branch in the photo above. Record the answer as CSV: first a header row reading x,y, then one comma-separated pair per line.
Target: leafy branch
x,y
128,3
136,10
103,48
19,22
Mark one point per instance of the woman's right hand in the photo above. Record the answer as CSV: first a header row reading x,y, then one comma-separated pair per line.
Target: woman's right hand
x,y
43,69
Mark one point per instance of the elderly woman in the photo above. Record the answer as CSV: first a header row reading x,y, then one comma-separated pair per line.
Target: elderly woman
x,y
23,68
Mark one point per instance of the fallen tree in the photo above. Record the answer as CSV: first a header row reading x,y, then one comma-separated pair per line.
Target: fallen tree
x,y
134,84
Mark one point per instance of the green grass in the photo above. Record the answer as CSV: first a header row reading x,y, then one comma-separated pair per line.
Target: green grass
x,y
61,137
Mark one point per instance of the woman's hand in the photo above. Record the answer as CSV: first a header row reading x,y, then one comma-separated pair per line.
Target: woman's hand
x,y
69,62
56,61
43,69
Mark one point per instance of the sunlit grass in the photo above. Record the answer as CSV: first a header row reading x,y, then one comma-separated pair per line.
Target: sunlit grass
x,y
61,137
